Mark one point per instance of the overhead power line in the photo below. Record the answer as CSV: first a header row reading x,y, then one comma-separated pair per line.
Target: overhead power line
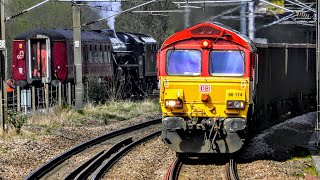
x,y
26,10
215,1
298,3
161,11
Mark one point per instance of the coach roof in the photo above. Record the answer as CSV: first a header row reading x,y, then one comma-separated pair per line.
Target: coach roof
x,y
59,34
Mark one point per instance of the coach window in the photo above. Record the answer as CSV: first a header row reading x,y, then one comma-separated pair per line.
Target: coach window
x,y
100,56
85,54
105,54
227,63
183,62
90,54
95,54
109,53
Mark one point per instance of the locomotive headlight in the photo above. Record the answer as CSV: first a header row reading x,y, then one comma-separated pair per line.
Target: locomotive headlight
x,y
173,103
235,104
205,44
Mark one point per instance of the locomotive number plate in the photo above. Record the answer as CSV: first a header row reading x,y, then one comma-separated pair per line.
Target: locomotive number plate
x,y
204,88
235,94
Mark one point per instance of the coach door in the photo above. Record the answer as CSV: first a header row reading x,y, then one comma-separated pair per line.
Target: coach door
x,y
39,59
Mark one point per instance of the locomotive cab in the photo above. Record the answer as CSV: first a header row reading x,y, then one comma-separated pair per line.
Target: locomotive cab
x,y
206,89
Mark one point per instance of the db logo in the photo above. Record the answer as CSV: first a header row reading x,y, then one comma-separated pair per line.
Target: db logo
x,y
204,88
21,55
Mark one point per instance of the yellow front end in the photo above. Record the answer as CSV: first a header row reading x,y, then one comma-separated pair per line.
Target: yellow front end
x,y
204,97
204,114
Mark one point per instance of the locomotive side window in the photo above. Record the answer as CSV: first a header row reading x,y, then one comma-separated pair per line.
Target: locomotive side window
x,y
227,63
183,62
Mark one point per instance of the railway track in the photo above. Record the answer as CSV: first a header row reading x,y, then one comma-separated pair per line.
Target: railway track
x,y
175,167
231,170
104,159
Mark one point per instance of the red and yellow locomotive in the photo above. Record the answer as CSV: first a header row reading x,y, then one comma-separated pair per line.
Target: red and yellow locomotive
x,y
207,77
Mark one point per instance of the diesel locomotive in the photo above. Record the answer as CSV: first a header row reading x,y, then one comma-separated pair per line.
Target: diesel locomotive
x,y
214,89
46,56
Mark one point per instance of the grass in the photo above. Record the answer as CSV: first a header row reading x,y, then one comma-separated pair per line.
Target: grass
x,y
311,170
308,166
43,123
121,110
3,150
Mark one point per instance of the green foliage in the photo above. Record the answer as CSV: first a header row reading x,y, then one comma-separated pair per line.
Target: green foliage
x,y
158,27
121,110
52,14
17,120
311,170
3,150
63,108
96,90
100,90
48,129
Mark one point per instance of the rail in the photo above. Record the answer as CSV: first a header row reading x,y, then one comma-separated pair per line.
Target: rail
x,y
231,170
47,167
174,169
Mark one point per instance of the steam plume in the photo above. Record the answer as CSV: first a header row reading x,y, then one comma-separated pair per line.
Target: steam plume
x,y
109,9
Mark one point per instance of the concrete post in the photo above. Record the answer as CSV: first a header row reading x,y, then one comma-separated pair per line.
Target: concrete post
x,y
69,94
46,95
251,21
33,96
60,94
243,18
77,57
4,74
18,98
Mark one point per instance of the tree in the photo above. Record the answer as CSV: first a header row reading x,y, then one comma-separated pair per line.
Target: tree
x,y
52,14
158,27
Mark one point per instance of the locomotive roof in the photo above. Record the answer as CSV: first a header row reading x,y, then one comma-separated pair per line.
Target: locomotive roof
x,y
62,34
211,30
145,38
139,37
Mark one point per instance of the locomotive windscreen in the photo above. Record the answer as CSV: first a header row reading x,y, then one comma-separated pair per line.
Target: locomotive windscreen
x,y
184,62
229,63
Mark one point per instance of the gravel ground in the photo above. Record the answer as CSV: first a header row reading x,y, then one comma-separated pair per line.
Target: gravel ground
x,y
75,161
268,156
19,155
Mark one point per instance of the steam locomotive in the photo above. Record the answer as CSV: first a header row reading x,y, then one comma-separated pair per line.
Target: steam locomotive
x,y
46,56
214,90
